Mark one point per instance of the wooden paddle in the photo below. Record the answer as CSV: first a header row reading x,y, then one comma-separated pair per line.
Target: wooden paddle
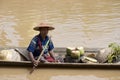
x,y
40,55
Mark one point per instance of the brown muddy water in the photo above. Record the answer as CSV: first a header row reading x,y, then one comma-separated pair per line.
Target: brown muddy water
x,y
88,23
58,74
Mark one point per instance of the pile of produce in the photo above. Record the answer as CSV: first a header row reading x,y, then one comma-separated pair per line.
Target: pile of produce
x,y
115,52
75,52
77,55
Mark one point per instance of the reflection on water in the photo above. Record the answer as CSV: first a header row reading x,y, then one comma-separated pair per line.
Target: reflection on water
x,y
60,77
77,78
57,74
13,77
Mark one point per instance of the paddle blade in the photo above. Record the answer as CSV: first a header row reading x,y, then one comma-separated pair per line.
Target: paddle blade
x,y
32,69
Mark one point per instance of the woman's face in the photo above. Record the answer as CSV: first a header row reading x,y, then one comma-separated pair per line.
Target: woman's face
x,y
44,31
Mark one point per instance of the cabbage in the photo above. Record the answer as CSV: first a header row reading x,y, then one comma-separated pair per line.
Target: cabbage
x,y
81,50
75,54
69,50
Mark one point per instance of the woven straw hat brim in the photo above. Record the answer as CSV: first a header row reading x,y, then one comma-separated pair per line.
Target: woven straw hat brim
x,y
38,28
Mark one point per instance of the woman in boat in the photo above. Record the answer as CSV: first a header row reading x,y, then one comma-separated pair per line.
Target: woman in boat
x,y
38,43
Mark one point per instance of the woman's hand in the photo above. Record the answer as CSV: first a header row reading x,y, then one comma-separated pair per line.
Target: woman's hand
x,y
35,62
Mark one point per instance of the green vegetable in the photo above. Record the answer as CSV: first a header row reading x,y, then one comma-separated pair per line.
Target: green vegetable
x,y
81,49
115,52
75,54
69,50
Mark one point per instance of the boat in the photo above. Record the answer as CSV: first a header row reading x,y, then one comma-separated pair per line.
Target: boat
x,y
25,62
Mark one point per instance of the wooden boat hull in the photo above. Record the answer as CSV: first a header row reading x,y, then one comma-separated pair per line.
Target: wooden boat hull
x,y
61,51
60,65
